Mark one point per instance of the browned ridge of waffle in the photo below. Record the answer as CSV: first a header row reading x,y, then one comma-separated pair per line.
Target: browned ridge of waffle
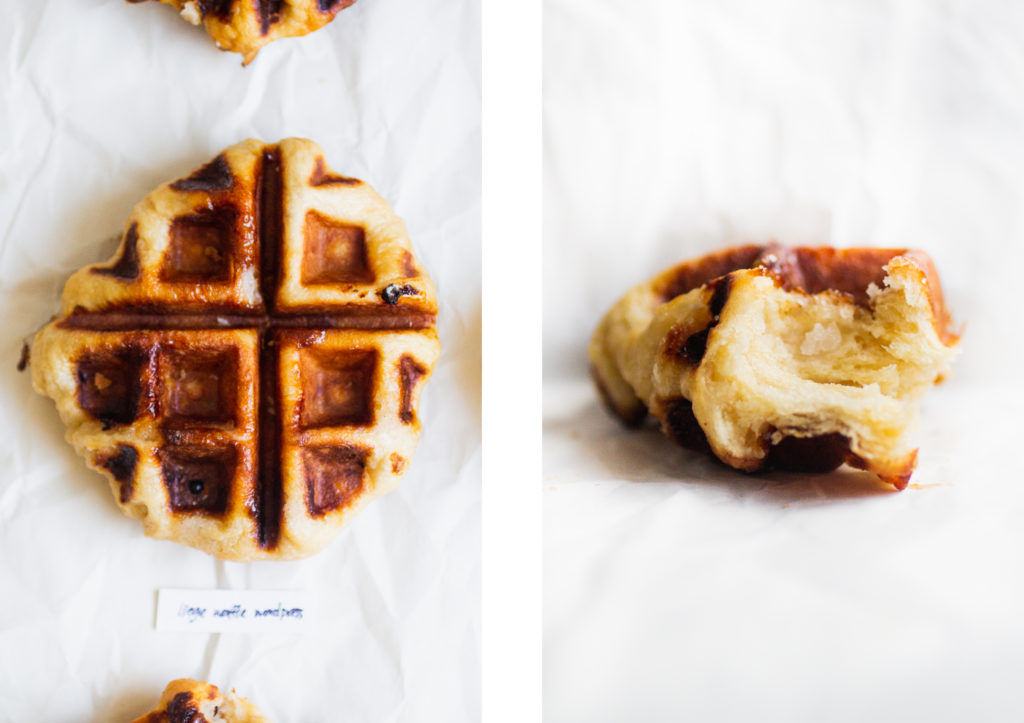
x,y
172,363
811,269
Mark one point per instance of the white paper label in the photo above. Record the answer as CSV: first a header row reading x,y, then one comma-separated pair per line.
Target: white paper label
x,y
234,611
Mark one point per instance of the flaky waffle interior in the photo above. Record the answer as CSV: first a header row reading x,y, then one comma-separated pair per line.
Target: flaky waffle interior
x,y
776,357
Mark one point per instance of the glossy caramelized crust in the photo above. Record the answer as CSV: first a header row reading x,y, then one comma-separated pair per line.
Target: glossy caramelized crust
x,y
245,26
246,371
776,357
193,701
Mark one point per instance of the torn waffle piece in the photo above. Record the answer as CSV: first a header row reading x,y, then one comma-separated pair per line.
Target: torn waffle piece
x,y
243,371
193,701
245,26
771,357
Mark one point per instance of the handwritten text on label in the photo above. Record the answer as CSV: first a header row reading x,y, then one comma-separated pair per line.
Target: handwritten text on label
x,y
233,610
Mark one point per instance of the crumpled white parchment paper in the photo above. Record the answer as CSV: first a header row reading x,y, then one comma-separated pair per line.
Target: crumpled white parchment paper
x,y
674,588
101,102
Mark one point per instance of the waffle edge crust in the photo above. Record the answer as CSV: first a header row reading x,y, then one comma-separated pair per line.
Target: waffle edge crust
x,y
772,357
245,26
193,701
246,371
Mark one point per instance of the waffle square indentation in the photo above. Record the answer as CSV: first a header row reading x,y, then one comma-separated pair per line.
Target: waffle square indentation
x,y
110,385
198,478
200,246
409,374
334,476
337,387
199,387
335,252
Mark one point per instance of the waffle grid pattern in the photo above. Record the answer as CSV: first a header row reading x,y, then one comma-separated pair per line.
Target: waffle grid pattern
x,y
226,403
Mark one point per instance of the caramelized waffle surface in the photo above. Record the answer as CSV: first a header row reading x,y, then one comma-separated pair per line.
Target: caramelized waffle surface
x,y
246,371
193,701
788,358
245,26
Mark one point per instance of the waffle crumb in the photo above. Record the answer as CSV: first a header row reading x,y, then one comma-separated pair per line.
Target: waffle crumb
x,y
821,339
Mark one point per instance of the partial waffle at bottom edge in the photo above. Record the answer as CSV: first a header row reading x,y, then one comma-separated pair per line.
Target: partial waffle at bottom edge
x,y
195,701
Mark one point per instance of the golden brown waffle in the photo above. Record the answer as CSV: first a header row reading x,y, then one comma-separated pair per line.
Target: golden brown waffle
x,y
193,701
246,371
245,26
786,358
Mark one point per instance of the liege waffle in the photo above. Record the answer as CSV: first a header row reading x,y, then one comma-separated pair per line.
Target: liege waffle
x,y
193,701
245,26
246,371
776,357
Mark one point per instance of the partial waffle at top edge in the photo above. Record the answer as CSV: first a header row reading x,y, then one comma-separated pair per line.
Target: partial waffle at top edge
x,y
245,26
813,270
261,229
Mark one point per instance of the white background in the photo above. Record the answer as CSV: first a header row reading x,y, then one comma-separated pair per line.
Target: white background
x,y
101,102
674,588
